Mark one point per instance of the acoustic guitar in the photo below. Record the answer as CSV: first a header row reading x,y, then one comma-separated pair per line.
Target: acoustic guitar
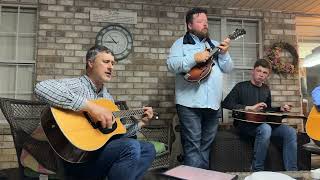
x,y
74,136
262,117
202,70
313,124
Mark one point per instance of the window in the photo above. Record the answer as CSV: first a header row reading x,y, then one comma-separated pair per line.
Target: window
x,y
17,51
244,51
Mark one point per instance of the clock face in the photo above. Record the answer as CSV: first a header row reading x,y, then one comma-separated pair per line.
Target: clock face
x,y
117,38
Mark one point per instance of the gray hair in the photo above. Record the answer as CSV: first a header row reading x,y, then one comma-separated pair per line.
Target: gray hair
x,y
93,51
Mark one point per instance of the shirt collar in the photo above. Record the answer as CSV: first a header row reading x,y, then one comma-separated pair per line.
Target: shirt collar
x,y
190,38
88,82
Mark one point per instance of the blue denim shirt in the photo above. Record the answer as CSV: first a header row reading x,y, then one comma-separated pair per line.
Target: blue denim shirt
x,y
316,97
207,93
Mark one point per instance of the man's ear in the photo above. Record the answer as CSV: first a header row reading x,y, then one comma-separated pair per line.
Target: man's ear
x,y
90,63
189,26
252,71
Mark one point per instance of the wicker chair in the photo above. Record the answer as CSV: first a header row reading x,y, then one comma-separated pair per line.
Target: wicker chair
x,y
23,117
160,133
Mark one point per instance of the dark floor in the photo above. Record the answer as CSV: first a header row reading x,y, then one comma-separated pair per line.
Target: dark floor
x,y
13,174
9,174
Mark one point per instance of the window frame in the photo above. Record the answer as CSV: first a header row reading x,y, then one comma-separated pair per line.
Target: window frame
x,y
17,61
223,33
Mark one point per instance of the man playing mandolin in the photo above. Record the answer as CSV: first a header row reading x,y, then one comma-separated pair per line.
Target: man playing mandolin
x,y
255,96
198,103
122,158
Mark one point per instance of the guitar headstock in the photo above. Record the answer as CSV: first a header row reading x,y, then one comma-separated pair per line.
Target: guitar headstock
x,y
238,33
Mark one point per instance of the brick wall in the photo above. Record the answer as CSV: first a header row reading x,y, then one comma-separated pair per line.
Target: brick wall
x,y
65,33
8,158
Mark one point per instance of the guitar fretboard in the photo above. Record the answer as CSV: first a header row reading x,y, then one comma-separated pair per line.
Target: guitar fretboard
x,y
127,113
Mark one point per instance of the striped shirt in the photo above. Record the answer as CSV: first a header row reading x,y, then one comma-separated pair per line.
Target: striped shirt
x,y
72,93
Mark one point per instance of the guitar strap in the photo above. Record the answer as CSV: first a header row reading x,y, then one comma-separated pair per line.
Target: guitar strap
x,y
212,46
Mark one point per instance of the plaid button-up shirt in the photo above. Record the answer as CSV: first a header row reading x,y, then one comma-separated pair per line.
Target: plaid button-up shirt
x,y
72,93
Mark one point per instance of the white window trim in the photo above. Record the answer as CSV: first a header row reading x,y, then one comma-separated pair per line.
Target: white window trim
x,y
224,34
16,62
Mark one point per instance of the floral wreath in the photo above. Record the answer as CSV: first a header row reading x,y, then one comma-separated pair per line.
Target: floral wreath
x,y
280,64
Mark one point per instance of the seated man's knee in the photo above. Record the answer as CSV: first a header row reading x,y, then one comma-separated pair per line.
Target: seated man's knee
x,y
264,131
150,148
132,149
291,133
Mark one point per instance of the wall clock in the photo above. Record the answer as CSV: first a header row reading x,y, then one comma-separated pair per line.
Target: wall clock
x,y
117,38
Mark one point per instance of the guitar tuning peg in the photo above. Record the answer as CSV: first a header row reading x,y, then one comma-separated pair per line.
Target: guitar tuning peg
x,y
156,115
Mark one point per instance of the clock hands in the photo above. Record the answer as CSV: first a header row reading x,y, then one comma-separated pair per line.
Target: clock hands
x,y
113,39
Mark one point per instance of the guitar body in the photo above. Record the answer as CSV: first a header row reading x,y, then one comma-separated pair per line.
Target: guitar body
x,y
199,72
72,136
313,124
260,117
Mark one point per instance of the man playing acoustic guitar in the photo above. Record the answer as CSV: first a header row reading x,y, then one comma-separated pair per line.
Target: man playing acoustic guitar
x,y
122,158
198,103
255,96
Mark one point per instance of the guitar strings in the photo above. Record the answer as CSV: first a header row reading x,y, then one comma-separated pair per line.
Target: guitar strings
x,y
127,113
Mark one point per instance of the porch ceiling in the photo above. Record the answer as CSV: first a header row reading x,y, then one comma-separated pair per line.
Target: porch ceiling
x,y
299,6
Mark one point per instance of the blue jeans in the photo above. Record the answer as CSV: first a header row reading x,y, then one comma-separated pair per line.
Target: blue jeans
x,y
281,134
198,129
120,159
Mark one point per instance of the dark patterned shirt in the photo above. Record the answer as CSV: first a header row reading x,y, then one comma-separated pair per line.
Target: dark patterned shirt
x,y
246,94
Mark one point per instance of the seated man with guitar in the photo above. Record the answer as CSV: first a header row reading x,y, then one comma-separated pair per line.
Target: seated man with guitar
x,y
255,96
71,98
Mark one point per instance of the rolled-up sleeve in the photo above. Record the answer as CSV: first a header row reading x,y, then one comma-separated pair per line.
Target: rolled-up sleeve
x,y
225,62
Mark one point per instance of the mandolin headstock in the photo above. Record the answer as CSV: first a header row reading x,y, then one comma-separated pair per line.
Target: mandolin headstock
x,y
238,33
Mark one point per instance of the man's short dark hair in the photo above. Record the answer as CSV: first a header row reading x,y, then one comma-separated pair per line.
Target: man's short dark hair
x,y
93,51
263,63
191,12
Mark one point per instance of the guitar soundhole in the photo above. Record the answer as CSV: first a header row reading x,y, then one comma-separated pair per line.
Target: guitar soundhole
x,y
98,125
107,130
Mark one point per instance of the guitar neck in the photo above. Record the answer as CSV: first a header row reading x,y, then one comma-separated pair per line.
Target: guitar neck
x,y
127,113
293,116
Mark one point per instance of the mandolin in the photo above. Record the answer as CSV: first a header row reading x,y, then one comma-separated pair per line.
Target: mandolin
x,y
74,136
313,124
262,117
202,70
